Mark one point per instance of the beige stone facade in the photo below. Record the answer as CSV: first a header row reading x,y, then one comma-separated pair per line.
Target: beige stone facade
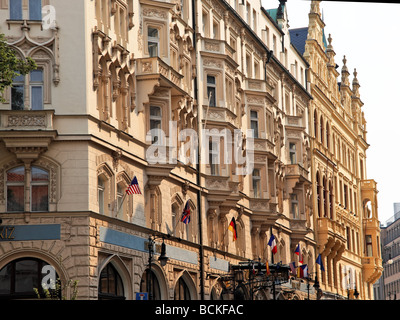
x,y
74,134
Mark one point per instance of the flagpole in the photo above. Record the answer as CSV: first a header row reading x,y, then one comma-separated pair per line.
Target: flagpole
x,y
273,278
119,209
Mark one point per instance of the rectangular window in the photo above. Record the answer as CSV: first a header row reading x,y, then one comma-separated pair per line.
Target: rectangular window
x,y
15,189
214,158
256,183
17,93
15,9
100,194
35,10
153,41
254,123
36,84
155,124
368,243
292,151
40,190
211,87
295,206
215,30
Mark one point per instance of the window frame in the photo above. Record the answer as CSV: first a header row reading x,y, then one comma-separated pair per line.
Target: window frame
x,y
159,119
256,181
211,87
31,184
254,120
33,6
293,153
33,84
155,40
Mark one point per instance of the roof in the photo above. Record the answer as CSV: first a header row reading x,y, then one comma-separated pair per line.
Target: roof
x,y
298,38
272,13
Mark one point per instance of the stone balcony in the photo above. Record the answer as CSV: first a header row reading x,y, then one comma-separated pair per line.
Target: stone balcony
x,y
220,114
294,121
147,67
26,120
372,268
217,47
27,133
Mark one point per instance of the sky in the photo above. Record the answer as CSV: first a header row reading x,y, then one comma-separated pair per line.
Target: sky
x,y
367,33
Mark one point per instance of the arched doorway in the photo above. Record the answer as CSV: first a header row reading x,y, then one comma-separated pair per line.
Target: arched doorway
x,y
110,284
150,284
182,291
20,277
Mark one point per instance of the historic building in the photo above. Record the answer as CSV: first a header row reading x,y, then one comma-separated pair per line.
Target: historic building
x,y
345,202
166,92
388,285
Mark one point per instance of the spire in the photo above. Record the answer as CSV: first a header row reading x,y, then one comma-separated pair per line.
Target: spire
x,y
330,52
356,84
345,73
315,7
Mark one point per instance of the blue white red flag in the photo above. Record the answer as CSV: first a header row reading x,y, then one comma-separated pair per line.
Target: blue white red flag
x,y
186,214
298,252
272,244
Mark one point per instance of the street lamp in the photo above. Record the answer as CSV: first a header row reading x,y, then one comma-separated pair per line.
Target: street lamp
x,y
162,259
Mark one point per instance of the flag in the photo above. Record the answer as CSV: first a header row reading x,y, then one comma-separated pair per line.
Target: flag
x,y
133,187
293,267
304,268
299,272
232,227
319,261
298,252
272,244
186,214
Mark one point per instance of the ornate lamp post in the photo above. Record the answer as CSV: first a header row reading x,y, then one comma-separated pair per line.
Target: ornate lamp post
x,y
162,259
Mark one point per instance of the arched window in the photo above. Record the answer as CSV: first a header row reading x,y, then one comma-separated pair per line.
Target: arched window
x,y
17,185
110,284
19,278
325,191
181,290
330,200
318,195
150,284
321,127
315,123
327,135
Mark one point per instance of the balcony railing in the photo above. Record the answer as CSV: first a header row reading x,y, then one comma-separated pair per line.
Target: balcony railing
x,y
154,65
26,119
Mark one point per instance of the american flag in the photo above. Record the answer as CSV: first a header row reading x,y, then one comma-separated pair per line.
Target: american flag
x,y
133,187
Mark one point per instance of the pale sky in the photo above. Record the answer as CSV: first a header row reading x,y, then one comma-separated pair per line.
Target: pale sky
x,y
368,34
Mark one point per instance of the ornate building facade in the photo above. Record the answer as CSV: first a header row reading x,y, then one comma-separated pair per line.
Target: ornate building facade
x,y
166,92
345,202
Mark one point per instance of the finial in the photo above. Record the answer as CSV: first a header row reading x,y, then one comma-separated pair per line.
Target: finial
x,y
355,73
344,60
330,40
